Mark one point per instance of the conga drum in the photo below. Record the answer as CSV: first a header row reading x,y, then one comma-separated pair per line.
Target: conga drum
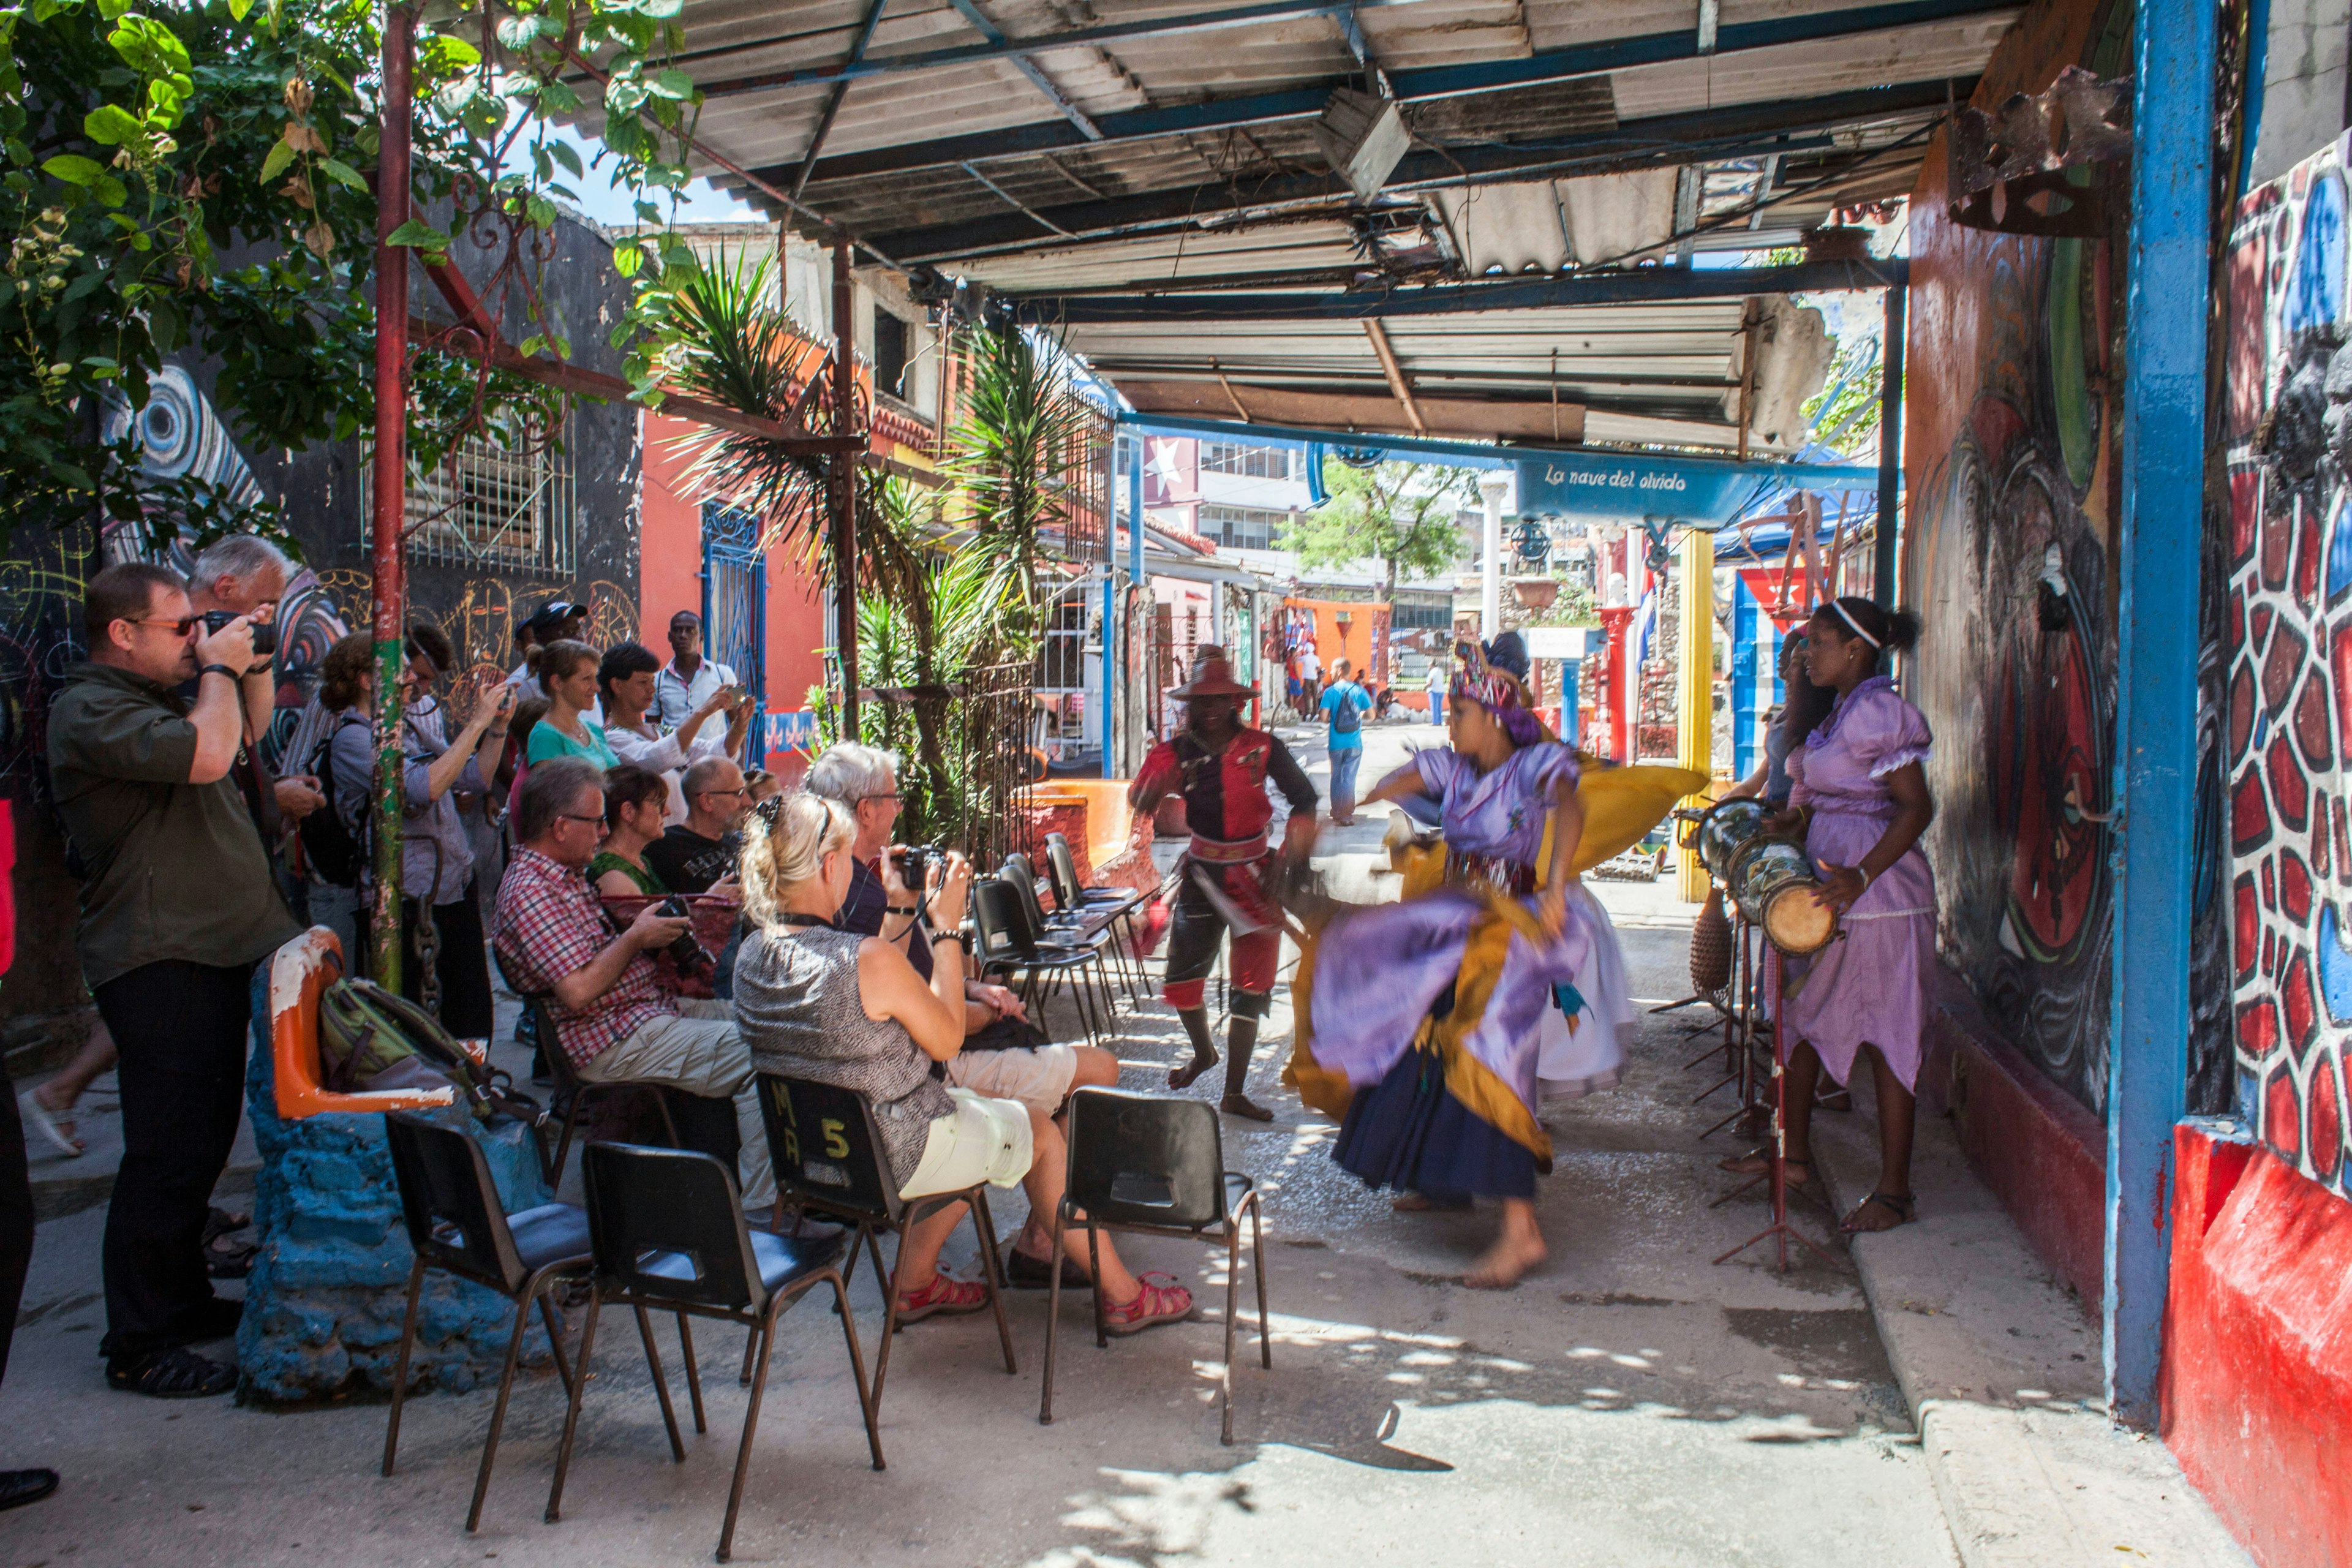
x,y
1725,829
1773,883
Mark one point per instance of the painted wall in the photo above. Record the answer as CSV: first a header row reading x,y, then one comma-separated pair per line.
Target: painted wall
x,y
2288,643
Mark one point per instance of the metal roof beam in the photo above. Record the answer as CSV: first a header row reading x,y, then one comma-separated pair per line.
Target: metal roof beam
x,y
1636,286
1306,101
1088,130
833,99
1633,144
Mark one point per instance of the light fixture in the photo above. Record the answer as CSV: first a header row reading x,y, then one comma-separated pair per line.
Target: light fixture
x,y
1363,136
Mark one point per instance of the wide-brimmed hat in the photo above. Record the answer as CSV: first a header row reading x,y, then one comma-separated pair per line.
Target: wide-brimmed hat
x,y
553,613
1213,676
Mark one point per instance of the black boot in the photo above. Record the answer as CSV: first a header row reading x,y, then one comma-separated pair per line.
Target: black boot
x,y
1204,1054
1241,1039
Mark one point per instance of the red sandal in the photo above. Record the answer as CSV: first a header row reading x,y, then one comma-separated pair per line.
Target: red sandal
x,y
942,1295
1153,1305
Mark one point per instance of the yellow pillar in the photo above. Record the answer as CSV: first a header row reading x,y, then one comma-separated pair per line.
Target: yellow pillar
x,y
1695,701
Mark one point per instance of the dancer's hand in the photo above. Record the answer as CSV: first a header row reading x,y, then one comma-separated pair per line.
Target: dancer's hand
x,y
1552,912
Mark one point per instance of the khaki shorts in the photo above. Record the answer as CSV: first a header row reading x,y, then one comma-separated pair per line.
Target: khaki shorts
x,y
979,1140
1039,1077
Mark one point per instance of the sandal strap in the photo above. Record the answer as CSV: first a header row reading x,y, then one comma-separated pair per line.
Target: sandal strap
x,y
1153,1301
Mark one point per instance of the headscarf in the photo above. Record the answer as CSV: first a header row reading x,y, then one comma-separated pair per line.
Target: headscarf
x,y
1479,678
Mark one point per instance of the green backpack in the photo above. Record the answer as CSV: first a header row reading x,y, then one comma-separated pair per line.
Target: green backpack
x,y
372,1038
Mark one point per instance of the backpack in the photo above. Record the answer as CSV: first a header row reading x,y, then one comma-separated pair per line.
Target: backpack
x,y
1347,718
337,856
372,1038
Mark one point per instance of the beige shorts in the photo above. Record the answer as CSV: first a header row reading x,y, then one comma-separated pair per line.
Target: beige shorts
x,y
979,1140
1039,1077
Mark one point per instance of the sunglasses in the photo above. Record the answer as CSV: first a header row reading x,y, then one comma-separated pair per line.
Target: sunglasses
x,y
180,628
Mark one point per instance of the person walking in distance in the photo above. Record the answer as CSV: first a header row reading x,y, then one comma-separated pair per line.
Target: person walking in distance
x,y
178,904
1344,704
1219,766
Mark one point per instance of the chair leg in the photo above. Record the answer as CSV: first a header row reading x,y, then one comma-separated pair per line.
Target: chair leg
x,y
563,1143
1053,1311
750,1349
992,1272
572,1411
889,1305
661,1384
400,1368
767,1337
1257,1266
1233,1302
857,1366
554,1331
499,1410
693,1373
1093,1272
884,1278
669,1122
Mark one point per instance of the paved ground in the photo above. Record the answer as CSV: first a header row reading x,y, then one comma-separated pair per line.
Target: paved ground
x,y
1628,1404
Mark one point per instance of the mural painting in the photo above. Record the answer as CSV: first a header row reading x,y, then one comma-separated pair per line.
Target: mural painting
x,y
2287,638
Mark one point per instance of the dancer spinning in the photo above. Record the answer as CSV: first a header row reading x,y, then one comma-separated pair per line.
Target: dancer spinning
x,y
1220,767
1434,1009
1860,798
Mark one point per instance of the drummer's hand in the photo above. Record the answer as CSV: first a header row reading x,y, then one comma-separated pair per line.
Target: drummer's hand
x,y
1783,824
1844,885
1552,912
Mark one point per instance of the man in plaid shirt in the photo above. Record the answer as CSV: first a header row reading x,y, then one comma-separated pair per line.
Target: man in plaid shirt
x,y
615,1019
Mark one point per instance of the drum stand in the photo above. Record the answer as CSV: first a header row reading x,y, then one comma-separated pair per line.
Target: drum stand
x,y
1780,1230
1739,1032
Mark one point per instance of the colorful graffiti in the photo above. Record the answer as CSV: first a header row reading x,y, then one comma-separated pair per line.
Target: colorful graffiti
x,y
2287,637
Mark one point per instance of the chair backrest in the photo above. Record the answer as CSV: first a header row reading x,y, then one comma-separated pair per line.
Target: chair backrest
x,y
300,972
668,1224
1146,1159
1062,868
450,1202
542,1029
1017,875
827,1150
996,915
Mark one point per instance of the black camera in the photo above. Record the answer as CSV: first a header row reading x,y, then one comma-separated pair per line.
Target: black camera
x,y
265,633
915,863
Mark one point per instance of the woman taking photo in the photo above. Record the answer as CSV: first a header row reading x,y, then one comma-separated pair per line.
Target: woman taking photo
x,y
635,800
849,1010
568,670
1859,797
625,679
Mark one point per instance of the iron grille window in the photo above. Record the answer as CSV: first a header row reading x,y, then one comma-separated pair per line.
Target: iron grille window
x,y
1242,527
486,505
889,353
1250,462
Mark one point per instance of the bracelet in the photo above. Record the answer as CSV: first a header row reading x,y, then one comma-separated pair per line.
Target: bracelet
x,y
954,936
218,669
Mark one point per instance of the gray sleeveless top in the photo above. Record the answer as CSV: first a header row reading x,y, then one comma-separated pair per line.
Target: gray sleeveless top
x,y
798,1008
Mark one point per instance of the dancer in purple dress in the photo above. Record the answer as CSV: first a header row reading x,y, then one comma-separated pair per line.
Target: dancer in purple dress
x,y
1860,798
1433,1009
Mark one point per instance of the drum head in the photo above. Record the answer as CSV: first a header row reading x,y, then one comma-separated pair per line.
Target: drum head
x,y
1795,920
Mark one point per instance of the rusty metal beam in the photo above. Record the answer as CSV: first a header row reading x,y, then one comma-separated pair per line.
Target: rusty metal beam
x,y
1396,373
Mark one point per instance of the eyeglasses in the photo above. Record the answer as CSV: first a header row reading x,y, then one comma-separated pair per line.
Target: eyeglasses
x,y
701,793
889,794
180,628
568,816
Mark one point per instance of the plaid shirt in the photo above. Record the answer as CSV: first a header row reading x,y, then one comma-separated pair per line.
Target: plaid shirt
x,y
551,924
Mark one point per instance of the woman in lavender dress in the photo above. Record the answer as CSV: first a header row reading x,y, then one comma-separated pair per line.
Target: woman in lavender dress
x,y
1860,797
1433,1009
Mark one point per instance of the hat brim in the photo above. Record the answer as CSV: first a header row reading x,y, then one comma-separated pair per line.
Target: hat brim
x,y
1213,688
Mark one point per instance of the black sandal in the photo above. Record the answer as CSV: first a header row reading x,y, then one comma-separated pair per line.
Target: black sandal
x,y
1904,1206
225,1256
175,1374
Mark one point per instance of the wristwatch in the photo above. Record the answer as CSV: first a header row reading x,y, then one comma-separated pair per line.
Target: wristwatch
x,y
900,909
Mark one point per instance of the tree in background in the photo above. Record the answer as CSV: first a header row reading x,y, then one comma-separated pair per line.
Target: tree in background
x,y
1403,513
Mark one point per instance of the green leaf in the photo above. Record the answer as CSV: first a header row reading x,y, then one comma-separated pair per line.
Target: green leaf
x,y
74,170
457,51
110,191
281,154
417,233
343,175
518,32
239,9
628,259
672,82
567,157
662,10
111,125
540,211
110,9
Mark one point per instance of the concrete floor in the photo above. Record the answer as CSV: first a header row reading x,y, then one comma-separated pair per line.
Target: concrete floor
x,y
1628,1404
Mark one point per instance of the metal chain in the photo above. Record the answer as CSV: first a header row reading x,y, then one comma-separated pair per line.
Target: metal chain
x,y
426,943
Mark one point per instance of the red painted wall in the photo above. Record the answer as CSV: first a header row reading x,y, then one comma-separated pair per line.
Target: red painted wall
x,y
670,578
2257,1387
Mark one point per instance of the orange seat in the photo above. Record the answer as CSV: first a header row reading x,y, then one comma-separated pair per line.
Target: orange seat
x,y
298,972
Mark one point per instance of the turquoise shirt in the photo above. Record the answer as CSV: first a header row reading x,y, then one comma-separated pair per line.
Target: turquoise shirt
x,y
546,741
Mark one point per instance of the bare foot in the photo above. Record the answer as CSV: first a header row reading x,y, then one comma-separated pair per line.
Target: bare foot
x,y
1759,1161
1422,1203
1182,1077
1505,1263
1243,1105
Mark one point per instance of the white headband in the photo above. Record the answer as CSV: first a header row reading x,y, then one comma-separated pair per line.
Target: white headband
x,y
1849,620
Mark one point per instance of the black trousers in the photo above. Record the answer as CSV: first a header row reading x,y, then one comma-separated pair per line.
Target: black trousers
x,y
16,1215
468,1010
182,1031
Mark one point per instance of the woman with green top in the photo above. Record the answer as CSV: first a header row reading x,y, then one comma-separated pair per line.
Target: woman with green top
x,y
568,670
633,800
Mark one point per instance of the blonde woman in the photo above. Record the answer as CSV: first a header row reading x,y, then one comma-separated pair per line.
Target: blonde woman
x,y
849,1010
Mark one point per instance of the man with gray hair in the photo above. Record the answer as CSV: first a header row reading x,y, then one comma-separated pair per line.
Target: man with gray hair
x,y
244,574
692,856
1002,1056
617,1020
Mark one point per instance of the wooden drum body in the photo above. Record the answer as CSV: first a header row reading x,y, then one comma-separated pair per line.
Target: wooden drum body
x,y
1773,883
1727,828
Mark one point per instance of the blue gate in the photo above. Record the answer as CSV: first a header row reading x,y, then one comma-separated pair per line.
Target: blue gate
x,y
735,611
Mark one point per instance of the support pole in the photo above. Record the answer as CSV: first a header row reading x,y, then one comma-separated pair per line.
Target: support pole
x,y
1695,688
1490,578
2156,695
1105,720
843,490
388,496
1890,446
1616,730
1135,577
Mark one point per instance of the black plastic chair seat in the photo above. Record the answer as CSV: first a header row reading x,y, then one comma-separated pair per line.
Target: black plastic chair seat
x,y
552,1233
784,1259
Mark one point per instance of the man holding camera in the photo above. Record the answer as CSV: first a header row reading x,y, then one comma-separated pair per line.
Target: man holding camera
x,y
178,904
690,856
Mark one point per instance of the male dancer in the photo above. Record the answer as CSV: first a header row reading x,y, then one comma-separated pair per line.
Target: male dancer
x,y
1220,766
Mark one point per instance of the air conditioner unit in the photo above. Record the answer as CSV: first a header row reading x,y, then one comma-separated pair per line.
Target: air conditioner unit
x,y
1363,137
